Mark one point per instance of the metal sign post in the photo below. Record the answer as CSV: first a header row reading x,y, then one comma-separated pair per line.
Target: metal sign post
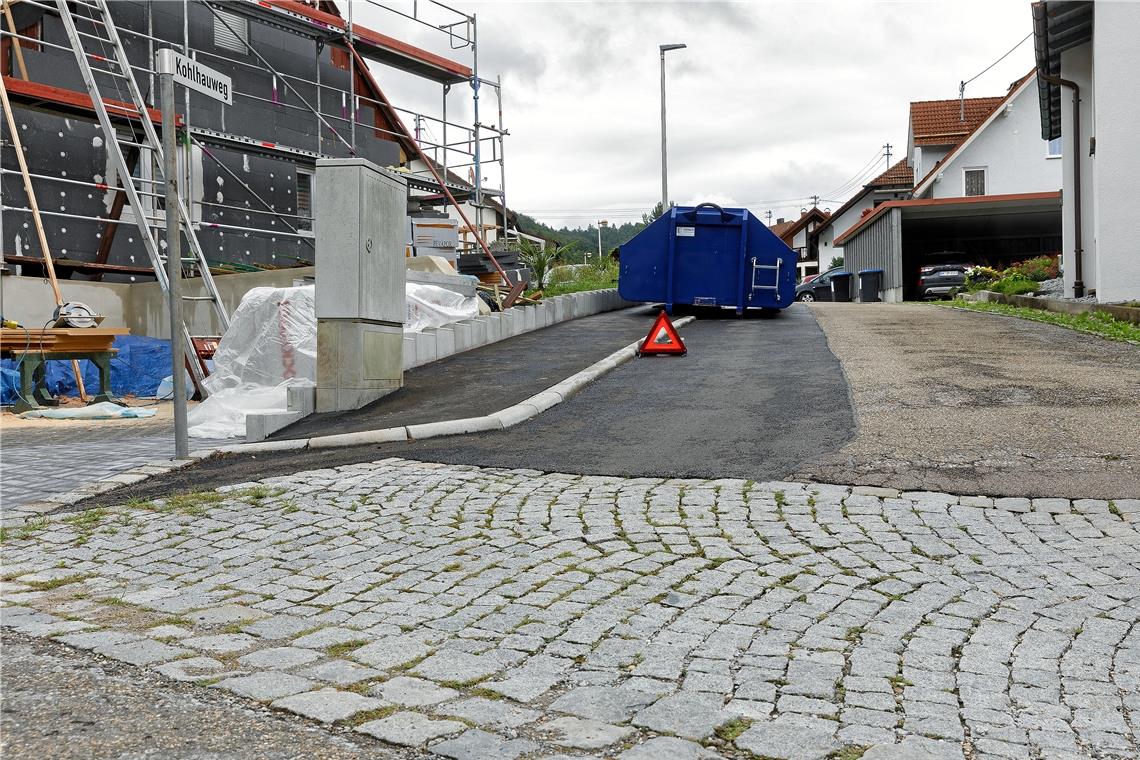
x,y
189,73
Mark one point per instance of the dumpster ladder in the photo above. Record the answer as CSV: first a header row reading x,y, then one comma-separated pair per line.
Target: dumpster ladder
x,y
758,270
103,45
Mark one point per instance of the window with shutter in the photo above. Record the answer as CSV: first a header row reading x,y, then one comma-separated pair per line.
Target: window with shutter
x,y
975,181
304,199
231,31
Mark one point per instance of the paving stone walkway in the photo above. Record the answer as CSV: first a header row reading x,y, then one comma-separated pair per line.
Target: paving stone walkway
x,y
46,461
480,613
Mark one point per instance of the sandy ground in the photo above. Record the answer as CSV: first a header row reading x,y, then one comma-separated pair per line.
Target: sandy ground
x,y
976,403
164,409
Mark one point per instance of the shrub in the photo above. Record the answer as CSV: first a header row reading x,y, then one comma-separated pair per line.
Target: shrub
x,y
978,277
1013,285
1038,269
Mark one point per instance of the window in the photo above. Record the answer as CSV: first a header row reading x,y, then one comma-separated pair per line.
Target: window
x,y
975,180
304,199
33,32
231,31
339,58
1053,148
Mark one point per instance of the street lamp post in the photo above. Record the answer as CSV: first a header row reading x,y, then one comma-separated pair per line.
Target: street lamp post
x,y
664,160
602,223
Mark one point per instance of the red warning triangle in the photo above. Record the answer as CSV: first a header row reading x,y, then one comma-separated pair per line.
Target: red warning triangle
x,y
662,339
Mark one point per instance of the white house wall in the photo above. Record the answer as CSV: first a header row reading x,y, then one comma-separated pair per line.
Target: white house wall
x,y
1116,100
1011,151
925,157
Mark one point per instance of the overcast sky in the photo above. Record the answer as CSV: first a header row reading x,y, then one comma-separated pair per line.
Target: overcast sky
x,y
771,102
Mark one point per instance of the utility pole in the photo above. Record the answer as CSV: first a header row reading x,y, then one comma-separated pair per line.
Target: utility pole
x,y
887,148
768,214
173,261
664,158
602,223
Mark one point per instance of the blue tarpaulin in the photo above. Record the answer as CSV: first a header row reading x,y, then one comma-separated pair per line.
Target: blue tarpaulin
x,y
136,370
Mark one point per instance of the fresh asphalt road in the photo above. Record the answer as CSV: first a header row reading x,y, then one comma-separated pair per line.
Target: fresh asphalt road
x,y
754,398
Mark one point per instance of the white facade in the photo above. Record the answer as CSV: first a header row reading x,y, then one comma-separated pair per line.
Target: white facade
x,y
924,157
1007,148
1111,175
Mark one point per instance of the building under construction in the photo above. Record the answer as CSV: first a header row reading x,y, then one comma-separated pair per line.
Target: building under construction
x,y
302,89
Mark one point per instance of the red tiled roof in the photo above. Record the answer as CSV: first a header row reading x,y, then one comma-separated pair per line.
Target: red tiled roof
x,y
780,229
940,122
787,230
899,174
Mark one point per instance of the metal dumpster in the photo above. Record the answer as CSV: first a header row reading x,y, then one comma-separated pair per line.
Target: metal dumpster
x,y
708,256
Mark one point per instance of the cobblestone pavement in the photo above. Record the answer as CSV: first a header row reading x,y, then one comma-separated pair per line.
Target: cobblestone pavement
x,y
41,462
481,613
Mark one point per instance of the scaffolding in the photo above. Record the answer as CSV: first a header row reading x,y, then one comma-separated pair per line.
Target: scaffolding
x,y
338,118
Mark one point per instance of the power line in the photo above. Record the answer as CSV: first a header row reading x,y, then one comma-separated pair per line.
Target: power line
x,y
999,60
962,84
856,177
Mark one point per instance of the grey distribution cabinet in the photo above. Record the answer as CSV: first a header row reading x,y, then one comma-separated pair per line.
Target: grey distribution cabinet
x,y
359,228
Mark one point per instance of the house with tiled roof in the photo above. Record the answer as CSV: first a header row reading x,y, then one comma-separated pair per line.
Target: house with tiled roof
x,y
984,189
1002,153
799,235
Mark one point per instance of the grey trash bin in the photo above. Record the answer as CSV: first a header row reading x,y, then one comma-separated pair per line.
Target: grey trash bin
x,y
870,283
841,287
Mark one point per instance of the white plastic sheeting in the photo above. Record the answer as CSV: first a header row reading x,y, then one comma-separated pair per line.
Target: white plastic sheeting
x,y
433,306
270,345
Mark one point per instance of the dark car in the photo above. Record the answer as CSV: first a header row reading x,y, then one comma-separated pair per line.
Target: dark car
x,y
818,288
940,280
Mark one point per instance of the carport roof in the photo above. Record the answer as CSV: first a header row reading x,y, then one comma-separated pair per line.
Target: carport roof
x,y
972,205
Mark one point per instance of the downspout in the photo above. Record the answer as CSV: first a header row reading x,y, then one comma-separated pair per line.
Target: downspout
x,y
1078,249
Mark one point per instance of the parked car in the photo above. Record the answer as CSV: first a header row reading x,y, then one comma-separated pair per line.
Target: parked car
x,y
818,288
939,280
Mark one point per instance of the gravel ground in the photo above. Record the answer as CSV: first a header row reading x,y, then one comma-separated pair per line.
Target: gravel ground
x,y
59,703
976,403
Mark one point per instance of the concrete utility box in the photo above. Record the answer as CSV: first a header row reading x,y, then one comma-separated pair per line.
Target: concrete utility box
x,y
359,229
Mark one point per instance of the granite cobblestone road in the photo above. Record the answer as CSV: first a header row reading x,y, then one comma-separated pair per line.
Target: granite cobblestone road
x,y
469,612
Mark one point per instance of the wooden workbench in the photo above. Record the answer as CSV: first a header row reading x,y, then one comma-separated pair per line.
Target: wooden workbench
x,y
31,348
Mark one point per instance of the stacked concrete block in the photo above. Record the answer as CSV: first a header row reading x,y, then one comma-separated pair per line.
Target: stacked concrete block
x,y
463,340
409,350
444,341
426,347
494,327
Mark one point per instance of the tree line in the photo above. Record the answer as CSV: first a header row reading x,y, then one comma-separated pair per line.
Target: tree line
x,y
582,241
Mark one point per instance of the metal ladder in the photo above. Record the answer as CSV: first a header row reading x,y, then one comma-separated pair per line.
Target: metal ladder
x,y
107,48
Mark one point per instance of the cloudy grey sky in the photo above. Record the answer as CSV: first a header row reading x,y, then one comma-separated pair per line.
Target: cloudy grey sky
x,y
771,102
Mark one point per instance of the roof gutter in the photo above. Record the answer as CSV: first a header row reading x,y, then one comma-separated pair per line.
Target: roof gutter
x,y
1078,248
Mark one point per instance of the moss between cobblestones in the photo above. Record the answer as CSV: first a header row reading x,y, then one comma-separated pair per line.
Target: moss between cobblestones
x,y
363,717
847,753
343,648
734,728
56,582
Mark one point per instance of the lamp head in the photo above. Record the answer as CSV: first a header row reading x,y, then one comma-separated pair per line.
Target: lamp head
x,y
673,46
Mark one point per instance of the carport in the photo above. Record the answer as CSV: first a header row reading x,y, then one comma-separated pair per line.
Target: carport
x,y
993,230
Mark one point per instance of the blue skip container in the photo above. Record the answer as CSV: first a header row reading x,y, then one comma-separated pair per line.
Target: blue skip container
x,y
708,256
